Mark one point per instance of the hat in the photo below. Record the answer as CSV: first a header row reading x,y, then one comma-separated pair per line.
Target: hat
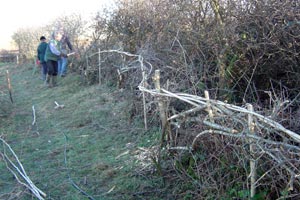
x,y
42,38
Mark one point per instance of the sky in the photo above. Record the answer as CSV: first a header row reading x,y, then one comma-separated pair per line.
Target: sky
x,y
15,14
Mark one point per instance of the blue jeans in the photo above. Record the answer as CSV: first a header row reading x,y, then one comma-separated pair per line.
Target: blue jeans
x,y
44,70
62,66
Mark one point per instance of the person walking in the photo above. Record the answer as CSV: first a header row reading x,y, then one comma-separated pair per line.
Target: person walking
x,y
41,56
52,55
63,62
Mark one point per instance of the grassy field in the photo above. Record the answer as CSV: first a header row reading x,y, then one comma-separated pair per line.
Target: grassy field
x,y
86,150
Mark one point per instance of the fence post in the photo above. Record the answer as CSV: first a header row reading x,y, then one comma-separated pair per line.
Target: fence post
x,y
87,61
99,59
209,110
9,86
144,102
161,107
252,160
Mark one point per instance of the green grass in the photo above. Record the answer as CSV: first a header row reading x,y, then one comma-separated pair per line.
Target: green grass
x,y
90,141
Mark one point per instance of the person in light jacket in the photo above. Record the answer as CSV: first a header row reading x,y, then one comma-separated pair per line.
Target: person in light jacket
x,y
52,55
63,62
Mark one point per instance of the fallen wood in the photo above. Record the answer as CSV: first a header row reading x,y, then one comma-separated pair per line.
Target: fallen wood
x,y
58,106
33,113
11,166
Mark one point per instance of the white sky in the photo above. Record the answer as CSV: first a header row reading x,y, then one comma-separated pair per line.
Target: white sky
x,y
15,14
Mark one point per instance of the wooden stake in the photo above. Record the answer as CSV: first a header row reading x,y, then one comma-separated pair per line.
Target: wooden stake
x,y
209,110
252,160
34,117
87,61
9,86
144,102
99,60
161,107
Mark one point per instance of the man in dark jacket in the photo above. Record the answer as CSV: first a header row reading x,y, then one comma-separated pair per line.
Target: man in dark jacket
x,y
41,54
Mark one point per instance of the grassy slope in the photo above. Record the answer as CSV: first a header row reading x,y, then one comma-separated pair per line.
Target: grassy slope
x,y
91,132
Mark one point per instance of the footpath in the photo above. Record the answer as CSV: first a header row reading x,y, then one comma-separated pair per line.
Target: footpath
x,y
85,148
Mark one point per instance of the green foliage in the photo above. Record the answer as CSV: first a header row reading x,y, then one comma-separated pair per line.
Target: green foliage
x,y
236,193
284,193
186,164
245,194
201,86
188,196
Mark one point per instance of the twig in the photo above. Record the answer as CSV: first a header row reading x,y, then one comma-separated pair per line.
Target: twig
x,y
35,190
196,100
240,115
33,113
139,58
69,54
184,114
58,105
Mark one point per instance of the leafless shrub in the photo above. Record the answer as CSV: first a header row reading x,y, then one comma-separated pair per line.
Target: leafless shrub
x,y
241,51
213,151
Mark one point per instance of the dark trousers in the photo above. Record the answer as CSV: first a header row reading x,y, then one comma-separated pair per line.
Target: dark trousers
x,y
52,67
44,68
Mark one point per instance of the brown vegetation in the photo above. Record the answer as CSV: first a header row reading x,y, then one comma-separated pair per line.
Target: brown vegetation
x,y
240,51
